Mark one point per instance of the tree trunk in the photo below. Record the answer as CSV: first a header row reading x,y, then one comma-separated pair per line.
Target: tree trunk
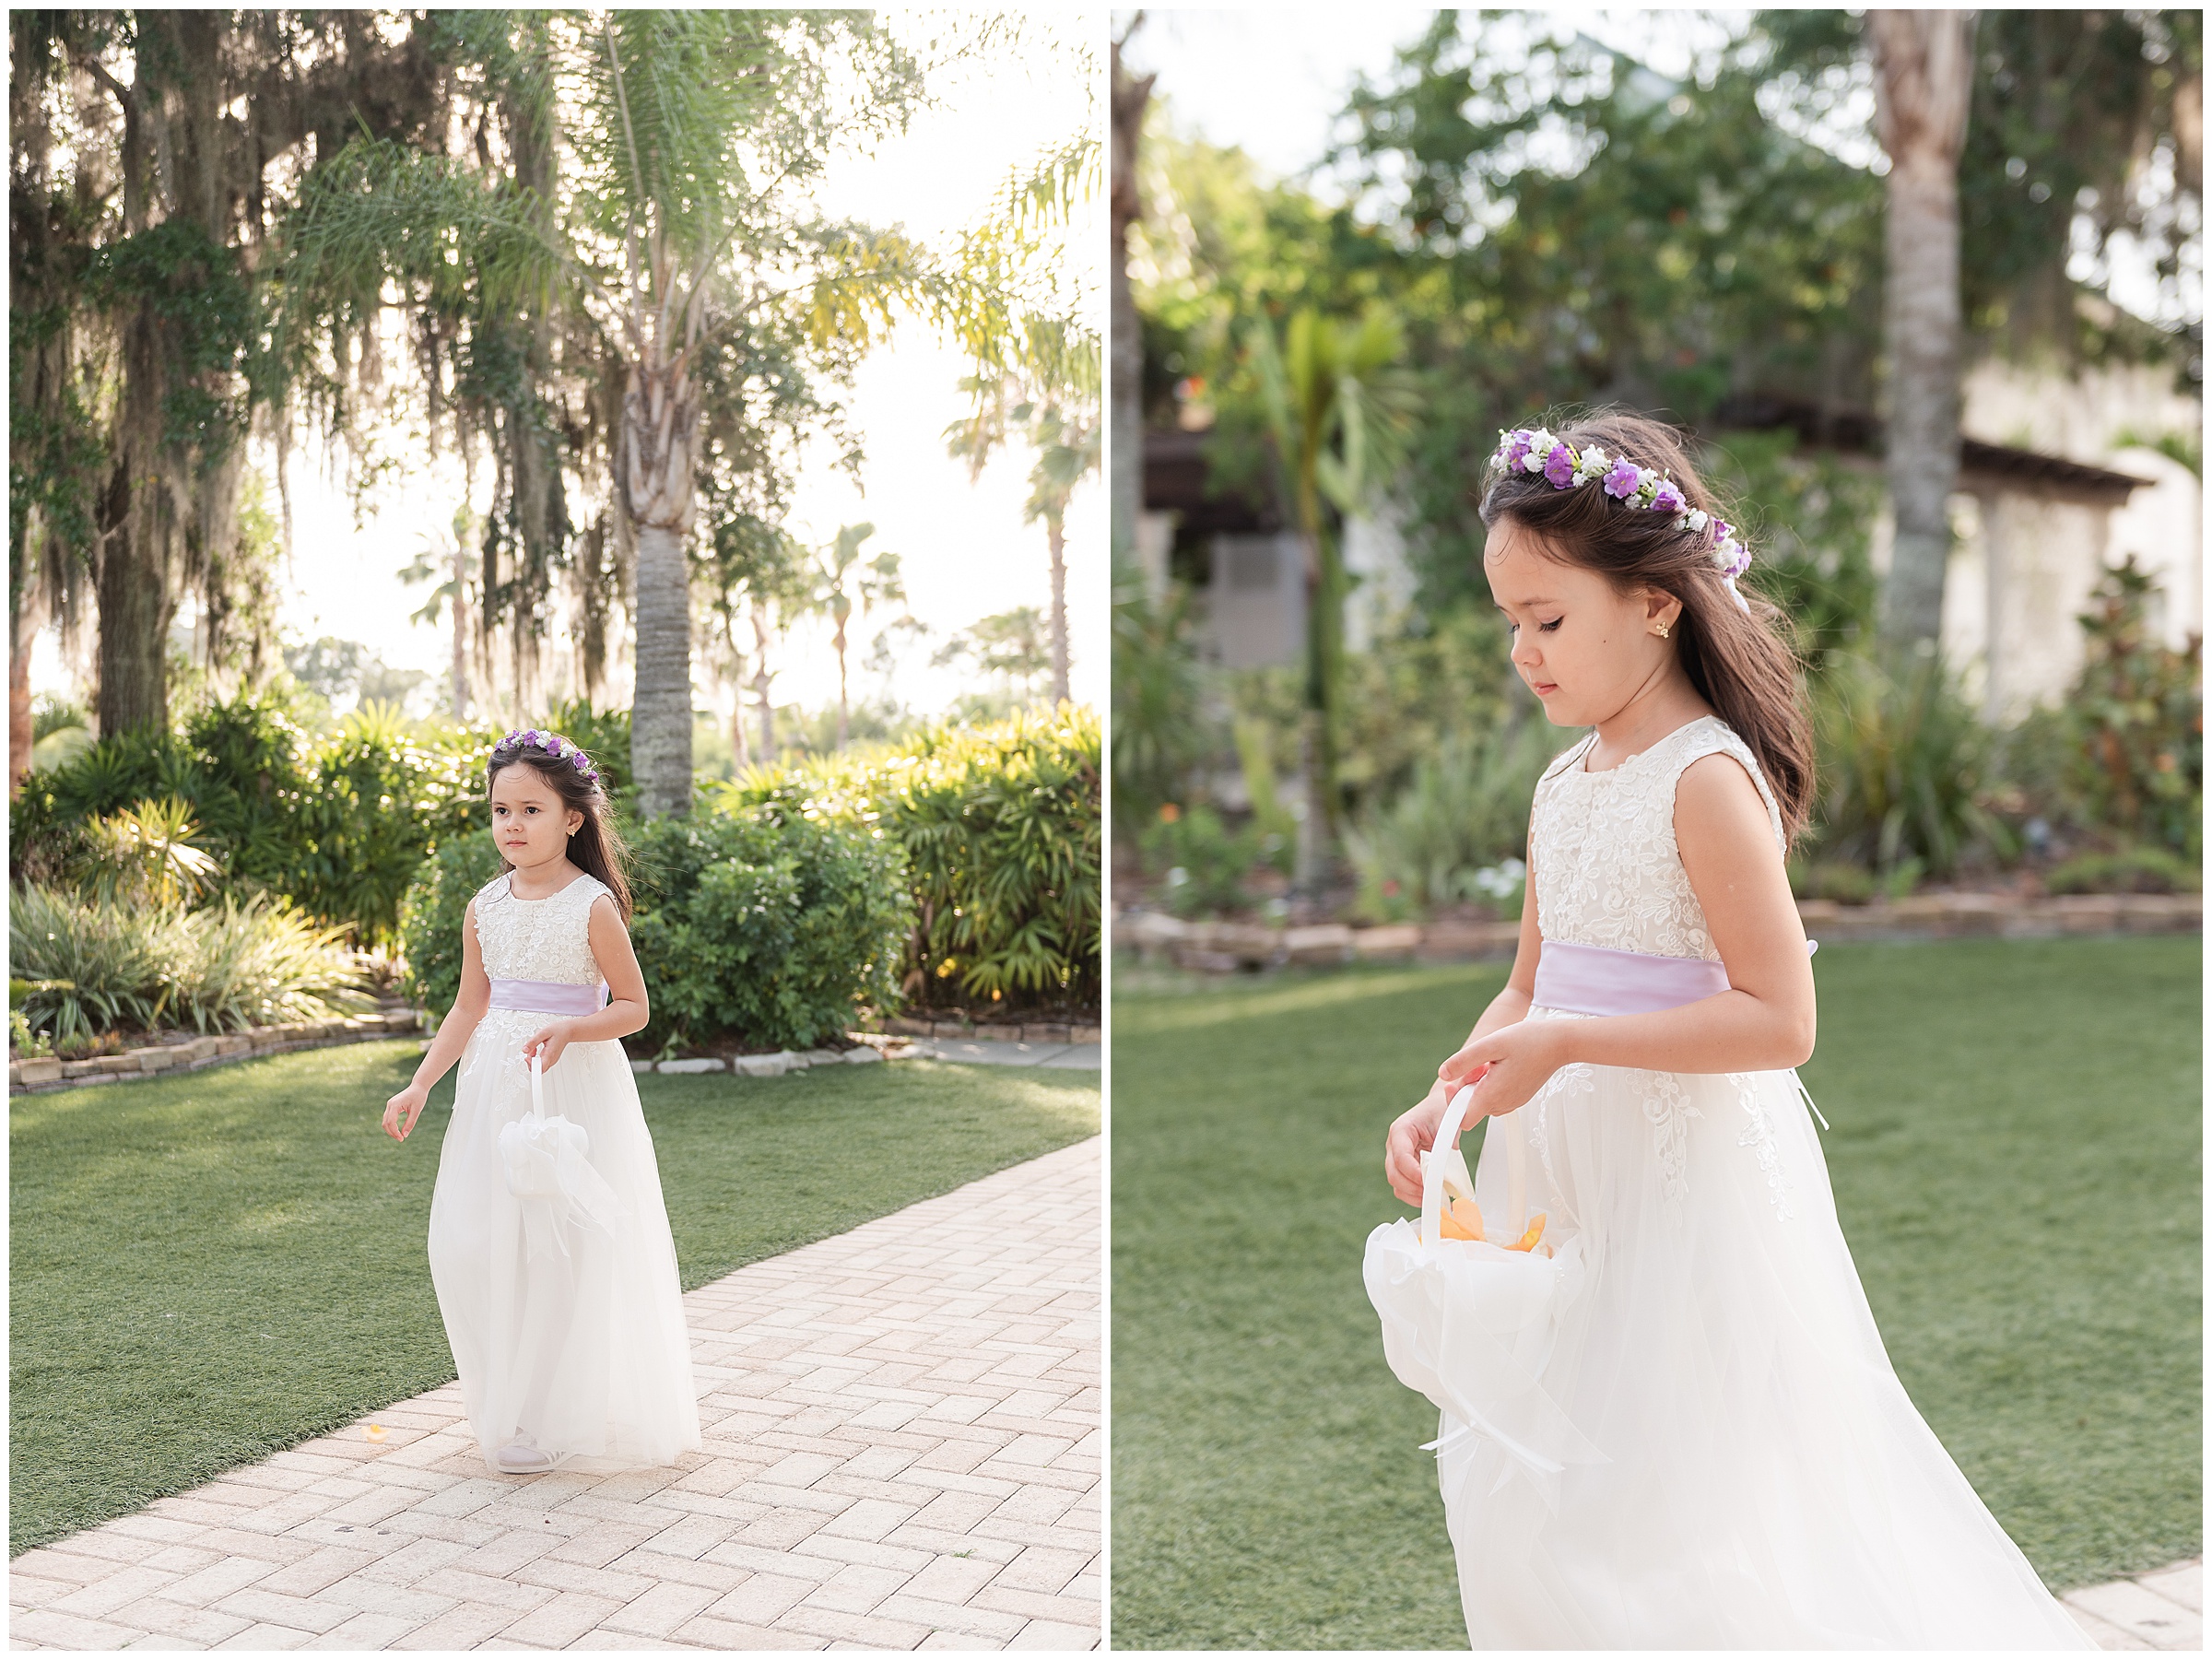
x,y
659,416
844,719
660,715
1126,487
134,611
18,713
1056,538
761,679
1924,82
460,633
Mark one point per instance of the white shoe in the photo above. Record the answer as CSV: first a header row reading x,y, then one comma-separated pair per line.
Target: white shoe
x,y
519,1457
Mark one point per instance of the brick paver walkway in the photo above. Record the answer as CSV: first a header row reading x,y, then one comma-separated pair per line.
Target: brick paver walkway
x,y
2160,1610
902,1451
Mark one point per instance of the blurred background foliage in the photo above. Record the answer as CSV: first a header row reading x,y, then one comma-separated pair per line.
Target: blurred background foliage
x,y
1547,223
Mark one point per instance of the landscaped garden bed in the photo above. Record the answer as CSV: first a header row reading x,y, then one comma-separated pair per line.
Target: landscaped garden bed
x,y
1232,947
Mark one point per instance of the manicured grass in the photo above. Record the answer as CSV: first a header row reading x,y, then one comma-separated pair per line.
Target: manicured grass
x,y
2017,1158
210,1267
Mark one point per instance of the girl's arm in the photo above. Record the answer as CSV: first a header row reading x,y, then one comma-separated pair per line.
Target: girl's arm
x,y
1764,1021
628,1009
1415,1131
454,1032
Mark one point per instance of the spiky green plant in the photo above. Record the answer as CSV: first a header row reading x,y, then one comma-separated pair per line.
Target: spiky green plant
x,y
1465,811
1902,762
147,854
91,966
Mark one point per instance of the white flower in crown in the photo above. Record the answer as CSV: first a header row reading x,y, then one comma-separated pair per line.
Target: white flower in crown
x,y
1591,464
1696,519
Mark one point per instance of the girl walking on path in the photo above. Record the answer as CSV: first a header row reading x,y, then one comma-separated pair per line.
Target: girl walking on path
x,y
1681,1431
550,1242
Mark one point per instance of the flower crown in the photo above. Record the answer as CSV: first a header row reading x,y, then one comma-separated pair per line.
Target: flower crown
x,y
1536,450
553,744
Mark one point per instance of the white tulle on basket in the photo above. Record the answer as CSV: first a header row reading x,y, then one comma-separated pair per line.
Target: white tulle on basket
x,y
1470,1323
549,1169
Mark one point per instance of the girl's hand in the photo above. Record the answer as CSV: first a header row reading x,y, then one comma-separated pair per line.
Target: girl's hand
x,y
549,1040
1511,1064
1413,1135
402,1110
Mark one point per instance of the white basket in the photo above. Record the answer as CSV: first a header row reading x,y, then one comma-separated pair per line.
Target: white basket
x,y
1470,1324
548,1169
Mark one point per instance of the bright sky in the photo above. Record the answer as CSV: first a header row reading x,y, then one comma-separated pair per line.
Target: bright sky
x,y
966,553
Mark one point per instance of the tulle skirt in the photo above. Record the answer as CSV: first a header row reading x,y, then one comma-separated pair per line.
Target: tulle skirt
x,y
1737,1464
574,1338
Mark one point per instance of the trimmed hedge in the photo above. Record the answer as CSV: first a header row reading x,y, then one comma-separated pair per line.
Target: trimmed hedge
x,y
1003,829
751,929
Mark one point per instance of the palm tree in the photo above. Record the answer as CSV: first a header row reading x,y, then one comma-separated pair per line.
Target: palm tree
x,y
664,214
877,583
1923,86
1338,417
448,554
1130,95
1059,420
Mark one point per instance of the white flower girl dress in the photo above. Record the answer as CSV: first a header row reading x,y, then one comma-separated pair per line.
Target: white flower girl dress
x,y
1706,1447
566,1319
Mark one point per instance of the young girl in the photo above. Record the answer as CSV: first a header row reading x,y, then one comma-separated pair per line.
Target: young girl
x,y
563,1306
1728,1460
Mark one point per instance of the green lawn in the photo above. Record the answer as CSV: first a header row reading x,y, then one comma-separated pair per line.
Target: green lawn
x,y
2016,1155
209,1268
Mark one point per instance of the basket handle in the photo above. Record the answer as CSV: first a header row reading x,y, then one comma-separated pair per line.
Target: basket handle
x,y
1434,1160
537,1086
1434,1163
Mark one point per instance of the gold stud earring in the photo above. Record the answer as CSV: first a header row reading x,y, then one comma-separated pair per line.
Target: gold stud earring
x,y
1663,630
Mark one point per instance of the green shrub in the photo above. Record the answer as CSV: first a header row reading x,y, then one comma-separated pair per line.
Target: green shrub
x,y
1205,860
2137,718
1902,762
1463,813
340,828
770,928
2130,870
1833,879
1002,829
431,916
1157,735
90,967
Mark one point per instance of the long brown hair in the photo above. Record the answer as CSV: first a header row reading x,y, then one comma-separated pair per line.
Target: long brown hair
x,y
1743,664
598,847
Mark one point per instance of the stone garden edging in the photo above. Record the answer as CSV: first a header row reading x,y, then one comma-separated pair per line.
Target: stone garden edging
x,y
182,1053
1226,947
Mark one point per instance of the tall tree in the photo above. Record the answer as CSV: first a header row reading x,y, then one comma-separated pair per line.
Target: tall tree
x,y
1924,88
1127,488
697,294
844,590
1338,417
1059,421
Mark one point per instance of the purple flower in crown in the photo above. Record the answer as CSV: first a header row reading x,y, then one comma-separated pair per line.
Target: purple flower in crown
x,y
1558,466
1620,482
1667,499
1516,448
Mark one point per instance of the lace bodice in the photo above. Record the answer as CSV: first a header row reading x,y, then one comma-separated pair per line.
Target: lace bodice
x,y
538,940
1605,863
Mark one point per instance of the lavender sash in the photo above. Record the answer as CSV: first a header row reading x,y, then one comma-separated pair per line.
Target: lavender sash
x,y
549,996
1597,979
